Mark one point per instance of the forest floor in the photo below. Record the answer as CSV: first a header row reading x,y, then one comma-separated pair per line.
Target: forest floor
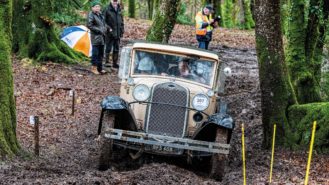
x,y
69,152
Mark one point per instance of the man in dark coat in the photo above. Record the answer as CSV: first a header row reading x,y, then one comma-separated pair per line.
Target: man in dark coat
x,y
115,29
97,31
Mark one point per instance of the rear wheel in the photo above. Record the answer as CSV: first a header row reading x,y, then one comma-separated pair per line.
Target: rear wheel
x,y
218,162
106,150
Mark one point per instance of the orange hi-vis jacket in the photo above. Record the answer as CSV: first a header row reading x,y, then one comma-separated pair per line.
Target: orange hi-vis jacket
x,y
200,19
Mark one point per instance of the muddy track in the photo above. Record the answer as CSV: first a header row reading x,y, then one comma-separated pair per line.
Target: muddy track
x,y
69,152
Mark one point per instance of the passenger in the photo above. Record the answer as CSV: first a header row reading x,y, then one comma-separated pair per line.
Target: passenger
x,y
146,66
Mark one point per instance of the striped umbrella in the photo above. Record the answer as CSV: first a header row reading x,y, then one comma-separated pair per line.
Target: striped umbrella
x,y
78,38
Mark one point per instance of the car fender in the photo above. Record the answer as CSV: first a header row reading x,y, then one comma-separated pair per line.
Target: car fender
x,y
124,117
207,130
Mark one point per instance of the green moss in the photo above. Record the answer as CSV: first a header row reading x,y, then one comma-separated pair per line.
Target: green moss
x,y
38,40
227,12
131,8
299,127
155,34
8,141
164,22
276,92
249,22
303,56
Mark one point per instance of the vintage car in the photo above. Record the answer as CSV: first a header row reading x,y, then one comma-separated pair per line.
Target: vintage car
x,y
169,104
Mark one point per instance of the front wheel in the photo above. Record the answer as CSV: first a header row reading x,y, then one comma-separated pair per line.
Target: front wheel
x,y
106,150
218,162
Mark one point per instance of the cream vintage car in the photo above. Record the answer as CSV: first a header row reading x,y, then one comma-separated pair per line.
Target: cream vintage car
x,y
168,105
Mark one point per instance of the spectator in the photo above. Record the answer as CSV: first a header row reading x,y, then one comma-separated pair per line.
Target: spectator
x,y
96,25
204,26
115,29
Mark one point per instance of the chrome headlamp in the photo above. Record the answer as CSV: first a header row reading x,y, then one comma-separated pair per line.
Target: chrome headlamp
x,y
200,102
141,93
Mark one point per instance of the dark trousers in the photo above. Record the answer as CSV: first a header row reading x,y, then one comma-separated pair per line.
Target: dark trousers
x,y
204,40
203,44
112,43
97,56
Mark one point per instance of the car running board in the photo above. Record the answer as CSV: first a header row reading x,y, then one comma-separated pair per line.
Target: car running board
x,y
167,141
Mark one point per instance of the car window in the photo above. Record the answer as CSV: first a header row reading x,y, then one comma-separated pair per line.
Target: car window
x,y
194,69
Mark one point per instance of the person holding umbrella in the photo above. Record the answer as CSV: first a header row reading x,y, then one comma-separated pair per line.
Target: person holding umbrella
x,y
97,30
115,29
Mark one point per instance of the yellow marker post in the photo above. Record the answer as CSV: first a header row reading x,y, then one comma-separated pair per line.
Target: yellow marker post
x,y
310,153
243,156
272,157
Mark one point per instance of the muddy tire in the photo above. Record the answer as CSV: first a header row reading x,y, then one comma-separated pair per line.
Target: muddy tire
x,y
218,162
106,150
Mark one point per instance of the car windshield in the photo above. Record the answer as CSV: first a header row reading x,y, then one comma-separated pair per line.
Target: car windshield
x,y
185,67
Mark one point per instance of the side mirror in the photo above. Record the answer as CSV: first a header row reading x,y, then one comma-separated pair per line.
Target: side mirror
x,y
124,63
227,71
224,72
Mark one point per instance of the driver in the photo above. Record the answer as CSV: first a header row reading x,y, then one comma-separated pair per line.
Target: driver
x,y
183,68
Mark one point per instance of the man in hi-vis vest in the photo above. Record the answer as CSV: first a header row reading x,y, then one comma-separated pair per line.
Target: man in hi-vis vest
x,y
204,25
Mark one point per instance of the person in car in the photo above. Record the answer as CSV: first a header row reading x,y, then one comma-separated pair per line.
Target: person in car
x,y
146,66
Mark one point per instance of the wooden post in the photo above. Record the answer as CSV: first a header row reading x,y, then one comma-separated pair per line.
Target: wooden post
x,y
72,93
36,136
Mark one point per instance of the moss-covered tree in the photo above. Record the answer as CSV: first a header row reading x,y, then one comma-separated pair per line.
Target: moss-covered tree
x,y
156,6
276,90
306,33
164,21
227,12
217,7
150,5
131,9
279,102
248,20
8,142
34,33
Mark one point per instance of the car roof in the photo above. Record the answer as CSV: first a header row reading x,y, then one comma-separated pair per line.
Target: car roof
x,y
175,49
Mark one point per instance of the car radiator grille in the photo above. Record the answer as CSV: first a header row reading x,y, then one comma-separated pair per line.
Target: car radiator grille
x,y
169,116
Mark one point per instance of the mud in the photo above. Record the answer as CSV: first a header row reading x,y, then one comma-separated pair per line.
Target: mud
x,y
69,151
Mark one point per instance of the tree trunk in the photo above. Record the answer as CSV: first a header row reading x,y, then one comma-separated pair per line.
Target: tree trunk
x,y
164,21
131,9
34,34
156,6
217,7
150,8
241,14
8,142
303,37
228,16
274,82
249,22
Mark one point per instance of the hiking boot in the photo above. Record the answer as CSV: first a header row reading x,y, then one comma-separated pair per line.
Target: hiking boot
x,y
115,57
103,72
107,60
107,65
115,65
94,70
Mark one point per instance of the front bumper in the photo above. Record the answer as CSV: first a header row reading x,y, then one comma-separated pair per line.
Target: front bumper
x,y
164,144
